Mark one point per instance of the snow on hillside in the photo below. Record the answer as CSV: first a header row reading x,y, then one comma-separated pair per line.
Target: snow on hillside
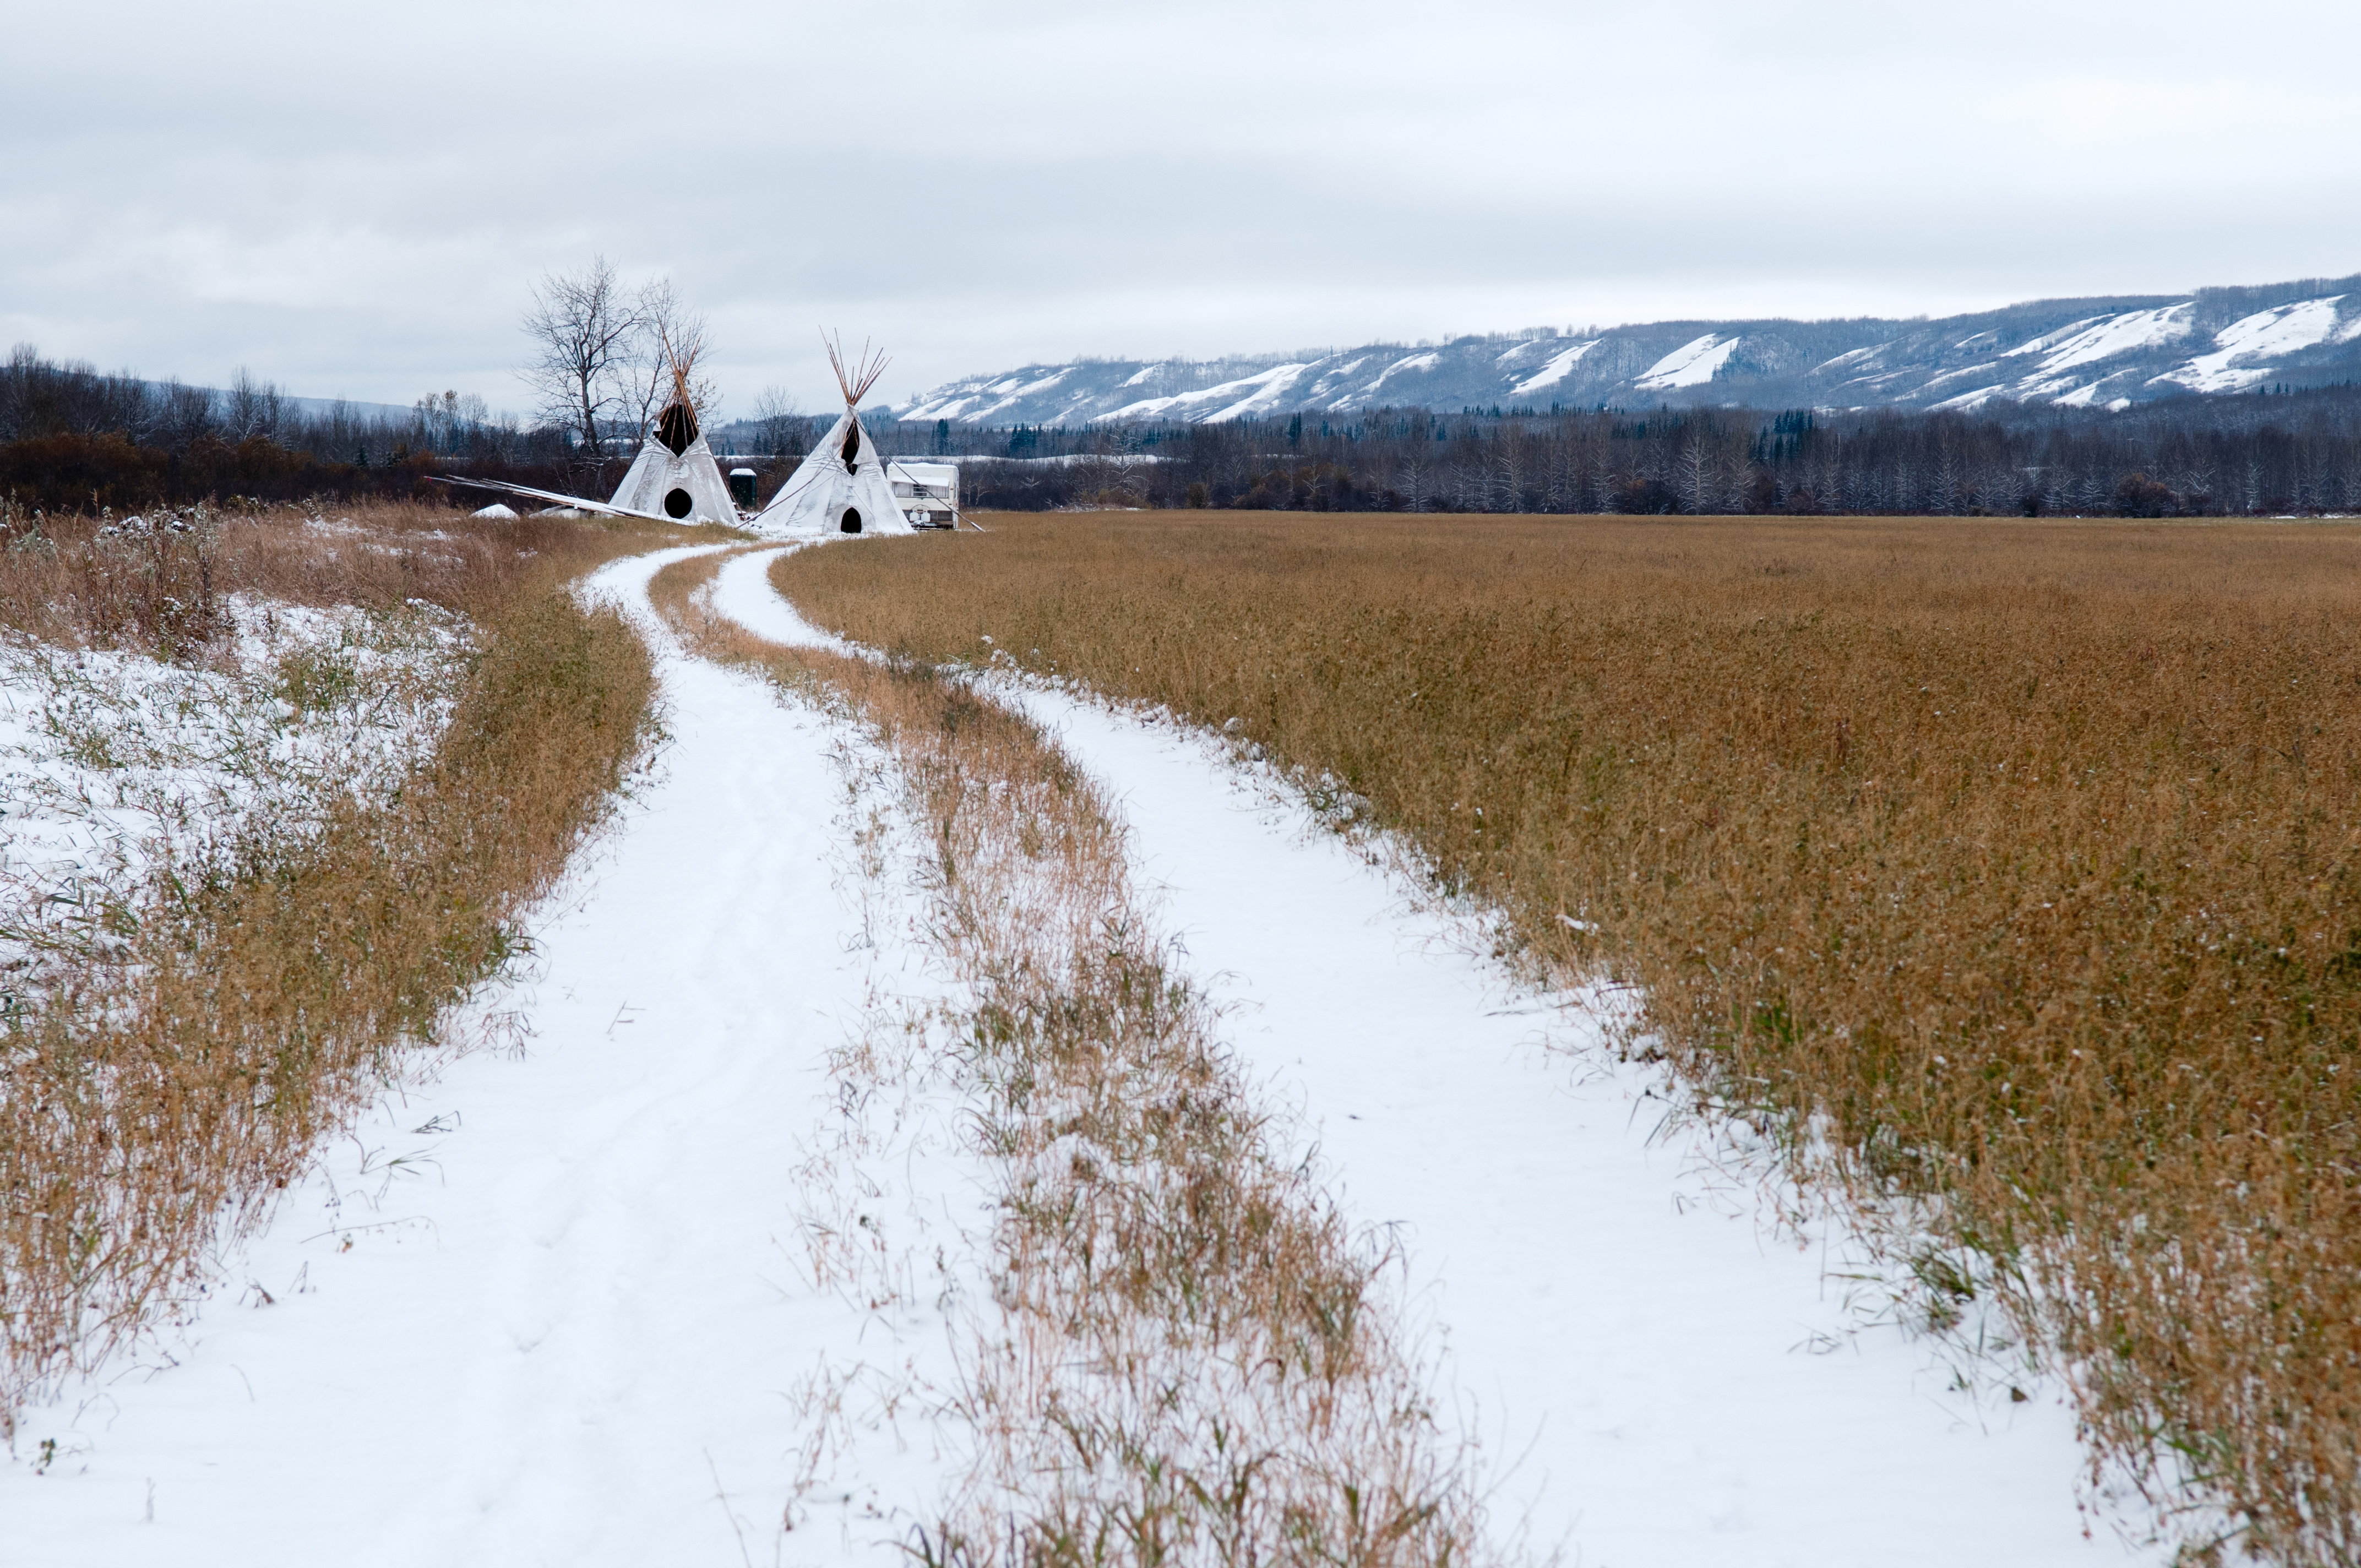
x,y
1963,401
1209,405
2109,336
1690,364
1555,371
2090,351
1409,362
2253,339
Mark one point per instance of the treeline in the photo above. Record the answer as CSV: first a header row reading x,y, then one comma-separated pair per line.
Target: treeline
x,y
75,439
2188,456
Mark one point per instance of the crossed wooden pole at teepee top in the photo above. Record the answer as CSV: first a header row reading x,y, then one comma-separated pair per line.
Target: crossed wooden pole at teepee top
x,y
855,378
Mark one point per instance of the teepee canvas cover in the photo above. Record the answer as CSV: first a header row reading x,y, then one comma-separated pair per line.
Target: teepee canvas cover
x,y
841,488
674,475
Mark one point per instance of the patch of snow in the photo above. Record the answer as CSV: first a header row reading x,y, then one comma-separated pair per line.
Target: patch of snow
x,y
1407,365
1256,402
2047,341
2283,329
1142,375
495,510
114,766
1849,358
2102,337
1006,394
1968,401
1555,370
1691,364
1330,378
1187,402
1068,459
943,403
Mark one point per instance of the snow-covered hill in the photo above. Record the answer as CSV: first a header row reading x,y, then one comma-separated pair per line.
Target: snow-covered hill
x,y
2108,352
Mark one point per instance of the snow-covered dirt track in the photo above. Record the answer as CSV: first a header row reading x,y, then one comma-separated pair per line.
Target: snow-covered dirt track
x,y
575,1315
570,1324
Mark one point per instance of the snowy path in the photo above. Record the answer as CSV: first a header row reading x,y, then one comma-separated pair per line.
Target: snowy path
x,y
563,1320
1634,1348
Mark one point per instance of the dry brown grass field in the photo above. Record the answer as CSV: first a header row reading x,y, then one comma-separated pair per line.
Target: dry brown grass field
x,y
2008,872
159,1085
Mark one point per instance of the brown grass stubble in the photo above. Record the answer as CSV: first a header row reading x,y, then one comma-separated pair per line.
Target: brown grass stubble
x,y
146,1099
1199,1360
2008,873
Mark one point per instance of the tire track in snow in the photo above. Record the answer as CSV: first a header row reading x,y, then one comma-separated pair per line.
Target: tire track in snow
x,y
1630,1341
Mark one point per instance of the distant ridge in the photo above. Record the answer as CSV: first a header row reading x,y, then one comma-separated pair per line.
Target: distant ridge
x,y
2101,352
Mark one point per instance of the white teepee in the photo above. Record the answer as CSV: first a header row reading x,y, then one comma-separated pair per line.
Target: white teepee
x,y
674,475
841,488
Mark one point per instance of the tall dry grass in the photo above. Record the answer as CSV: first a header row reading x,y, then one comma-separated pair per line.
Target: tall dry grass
x,y
159,581
162,1090
2008,872
1196,1359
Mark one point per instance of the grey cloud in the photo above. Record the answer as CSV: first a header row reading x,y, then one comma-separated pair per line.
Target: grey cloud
x,y
355,203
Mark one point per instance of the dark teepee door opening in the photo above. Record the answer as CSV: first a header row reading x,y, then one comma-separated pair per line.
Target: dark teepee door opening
x,y
851,448
851,524
676,503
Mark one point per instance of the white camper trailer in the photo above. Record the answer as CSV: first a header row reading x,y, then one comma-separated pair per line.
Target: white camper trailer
x,y
927,493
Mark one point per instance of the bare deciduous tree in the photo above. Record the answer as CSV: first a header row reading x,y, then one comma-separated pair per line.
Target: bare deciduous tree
x,y
187,413
1695,470
584,330
668,332
252,408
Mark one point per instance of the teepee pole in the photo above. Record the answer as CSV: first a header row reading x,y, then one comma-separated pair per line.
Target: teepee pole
x,y
855,377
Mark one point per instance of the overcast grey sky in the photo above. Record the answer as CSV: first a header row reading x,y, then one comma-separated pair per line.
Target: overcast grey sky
x,y
354,203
